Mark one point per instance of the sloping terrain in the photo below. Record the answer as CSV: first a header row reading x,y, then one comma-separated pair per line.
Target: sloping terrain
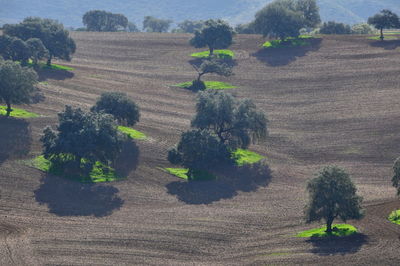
x,y
70,12
334,102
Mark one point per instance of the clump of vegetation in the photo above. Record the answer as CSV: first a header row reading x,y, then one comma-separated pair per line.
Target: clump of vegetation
x,y
248,28
212,66
385,19
338,230
99,20
189,26
203,85
362,29
333,195
396,175
215,34
152,24
332,27
302,40
394,217
18,85
221,54
17,113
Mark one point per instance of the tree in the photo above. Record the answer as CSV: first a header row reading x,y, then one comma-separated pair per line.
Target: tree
x,y
20,51
362,28
235,123
17,84
132,27
99,20
190,26
37,50
332,195
52,34
117,104
310,12
396,175
332,27
198,149
248,28
5,47
215,34
213,66
385,19
152,24
82,139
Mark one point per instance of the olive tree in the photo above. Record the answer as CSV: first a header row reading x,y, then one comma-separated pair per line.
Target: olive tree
x,y
17,84
385,19
52,34
82,139
152,24
396,175
215,34
37,50
20,51
213,66
117,104
332,195
99,20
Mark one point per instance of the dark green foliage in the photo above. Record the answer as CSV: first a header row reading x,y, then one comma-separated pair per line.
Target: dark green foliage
x,y
213,66
152,24
215,34
52,34
5,46
174,156
189,26
20,51
17,84
332,27
132,27
333,195
37,49
198,85
248,28
81,140
235,123
385,19
124,110
396,175
99,20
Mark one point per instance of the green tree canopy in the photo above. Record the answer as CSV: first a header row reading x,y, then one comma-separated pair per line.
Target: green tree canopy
x,y
215,34
332,195
385,19
213,66
99,20
236,123
17,84
332,27
83,137
152,24
396,175
117,104
37,49
132,27
52,34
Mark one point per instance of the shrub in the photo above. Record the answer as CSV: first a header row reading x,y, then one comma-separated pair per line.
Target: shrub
x,y
198,85
332,27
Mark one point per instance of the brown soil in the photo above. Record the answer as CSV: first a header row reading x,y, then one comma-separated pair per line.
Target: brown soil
x,y
335,102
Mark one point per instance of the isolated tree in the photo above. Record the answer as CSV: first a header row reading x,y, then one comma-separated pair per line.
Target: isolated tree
x,y
17,84
190,26
215,34
332,27
385,19
99,20
396,175
82,139
53,35
117,104
152,24
37,50
236,123
332,195
213,66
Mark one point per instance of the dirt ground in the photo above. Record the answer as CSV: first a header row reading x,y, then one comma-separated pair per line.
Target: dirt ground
x,y
334,102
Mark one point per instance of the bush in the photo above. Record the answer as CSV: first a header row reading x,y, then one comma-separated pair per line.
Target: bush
x,y
174,156
332,27
362,28
198,85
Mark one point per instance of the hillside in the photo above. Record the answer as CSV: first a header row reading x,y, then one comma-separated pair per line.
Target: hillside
x,y
236,11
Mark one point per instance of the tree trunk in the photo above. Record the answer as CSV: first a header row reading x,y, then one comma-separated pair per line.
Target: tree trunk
x,y
381,35
211,51
329,222
8,110
49,60
199,77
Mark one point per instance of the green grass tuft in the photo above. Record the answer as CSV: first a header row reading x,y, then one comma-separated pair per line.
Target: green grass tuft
x,y
210,85
223,54
289,42
338,230
243,157
394,217
18,113
183,173
100,172
53,66
132,133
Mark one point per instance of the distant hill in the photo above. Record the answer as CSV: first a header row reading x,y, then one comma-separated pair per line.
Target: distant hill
x,y
70,12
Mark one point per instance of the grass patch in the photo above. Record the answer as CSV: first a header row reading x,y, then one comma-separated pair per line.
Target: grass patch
x,y
394,217
100,172
210,85
289,42
199,175
378,38
132,133
222,54
243,157
338,230
18,113
53,66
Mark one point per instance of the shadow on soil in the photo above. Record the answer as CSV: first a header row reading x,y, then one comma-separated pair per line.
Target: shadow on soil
x,y
45,74
387,45
128,160
338,245
230,181
15,141
70,198
283,56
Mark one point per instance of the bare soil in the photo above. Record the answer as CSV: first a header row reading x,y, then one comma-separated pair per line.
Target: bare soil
x,y
334,102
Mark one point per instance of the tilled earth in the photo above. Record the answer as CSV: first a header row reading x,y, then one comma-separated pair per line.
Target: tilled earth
x,y
333,102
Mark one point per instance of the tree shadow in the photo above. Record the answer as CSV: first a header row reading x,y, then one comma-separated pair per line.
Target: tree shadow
x,y
70,198
55,74
128,160
15,141
231,180
387,45
338,245
283,56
